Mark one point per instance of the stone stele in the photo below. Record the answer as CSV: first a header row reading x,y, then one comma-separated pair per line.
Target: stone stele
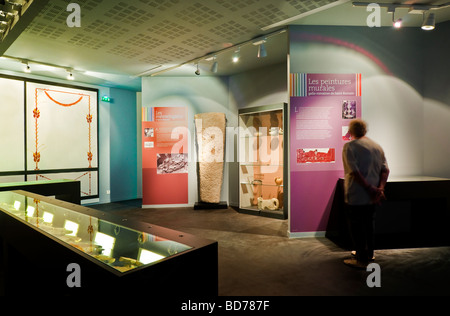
x,y
210,130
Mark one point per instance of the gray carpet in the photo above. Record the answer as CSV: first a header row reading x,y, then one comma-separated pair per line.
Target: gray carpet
x,y
257,259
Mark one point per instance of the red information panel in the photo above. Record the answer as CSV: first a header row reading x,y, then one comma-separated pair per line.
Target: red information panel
x,y
164,155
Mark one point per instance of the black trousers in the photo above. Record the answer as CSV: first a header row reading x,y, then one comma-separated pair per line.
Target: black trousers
x,y
361,220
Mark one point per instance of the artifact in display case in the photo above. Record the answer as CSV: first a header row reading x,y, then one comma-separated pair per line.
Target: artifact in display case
x,y
49,233
261,160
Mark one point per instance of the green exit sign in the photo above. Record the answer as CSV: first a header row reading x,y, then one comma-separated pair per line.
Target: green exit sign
x,y
105,98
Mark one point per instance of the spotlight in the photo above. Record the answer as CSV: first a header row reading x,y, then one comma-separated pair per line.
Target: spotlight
x,y
26,67
398,23
70,75
214,67
260,42
215,64
197,72
428,22
236,55
262,51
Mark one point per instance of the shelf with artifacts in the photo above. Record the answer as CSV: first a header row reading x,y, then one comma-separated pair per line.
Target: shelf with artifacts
x,y
262,154
45,236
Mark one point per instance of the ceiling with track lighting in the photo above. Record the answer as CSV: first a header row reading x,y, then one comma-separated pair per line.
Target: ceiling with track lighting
x,y
119,41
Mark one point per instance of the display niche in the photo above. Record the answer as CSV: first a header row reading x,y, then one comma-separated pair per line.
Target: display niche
x,y
262,157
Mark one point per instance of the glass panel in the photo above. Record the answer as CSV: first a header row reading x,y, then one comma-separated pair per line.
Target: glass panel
x,y
261,158
88,180
7,180
117,246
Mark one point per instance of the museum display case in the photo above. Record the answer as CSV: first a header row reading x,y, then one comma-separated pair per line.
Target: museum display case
x,y
42,236
62,189
262,154
415,214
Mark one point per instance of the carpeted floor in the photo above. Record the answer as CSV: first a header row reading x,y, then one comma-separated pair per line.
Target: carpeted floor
x,y
257,259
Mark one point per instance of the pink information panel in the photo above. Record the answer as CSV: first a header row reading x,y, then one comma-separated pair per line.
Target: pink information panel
x,y
321,107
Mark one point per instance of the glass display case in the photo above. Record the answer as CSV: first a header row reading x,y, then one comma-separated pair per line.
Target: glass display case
x,y
62,189
261,161
87,235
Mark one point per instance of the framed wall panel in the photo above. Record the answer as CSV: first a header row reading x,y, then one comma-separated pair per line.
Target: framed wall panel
x,y
61,129
11,125
49,132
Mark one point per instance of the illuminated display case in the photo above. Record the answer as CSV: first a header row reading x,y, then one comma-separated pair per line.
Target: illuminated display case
x,y
43,236
262,154
62,189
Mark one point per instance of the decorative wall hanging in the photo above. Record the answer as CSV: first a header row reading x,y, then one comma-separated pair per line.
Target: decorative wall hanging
x,y
62,135
63,132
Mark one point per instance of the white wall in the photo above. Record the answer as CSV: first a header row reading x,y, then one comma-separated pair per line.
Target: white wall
x,y
394,112
264,86
201,94
436,138
390,67
437,103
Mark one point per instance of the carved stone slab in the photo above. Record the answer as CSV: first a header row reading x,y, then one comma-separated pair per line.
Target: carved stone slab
x,y
210,130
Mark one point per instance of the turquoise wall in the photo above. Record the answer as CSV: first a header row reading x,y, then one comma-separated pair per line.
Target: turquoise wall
x,y
123,145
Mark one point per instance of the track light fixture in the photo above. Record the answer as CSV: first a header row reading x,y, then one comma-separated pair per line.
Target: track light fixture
x,y
397,23
215,65
26,67
414,8
428,22
212,56
6,15
10,14
70,75
237,55
261,47
197,72
262,51
41,66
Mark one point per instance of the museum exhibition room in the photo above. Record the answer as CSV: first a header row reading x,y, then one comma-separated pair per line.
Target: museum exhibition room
x,y
194,149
